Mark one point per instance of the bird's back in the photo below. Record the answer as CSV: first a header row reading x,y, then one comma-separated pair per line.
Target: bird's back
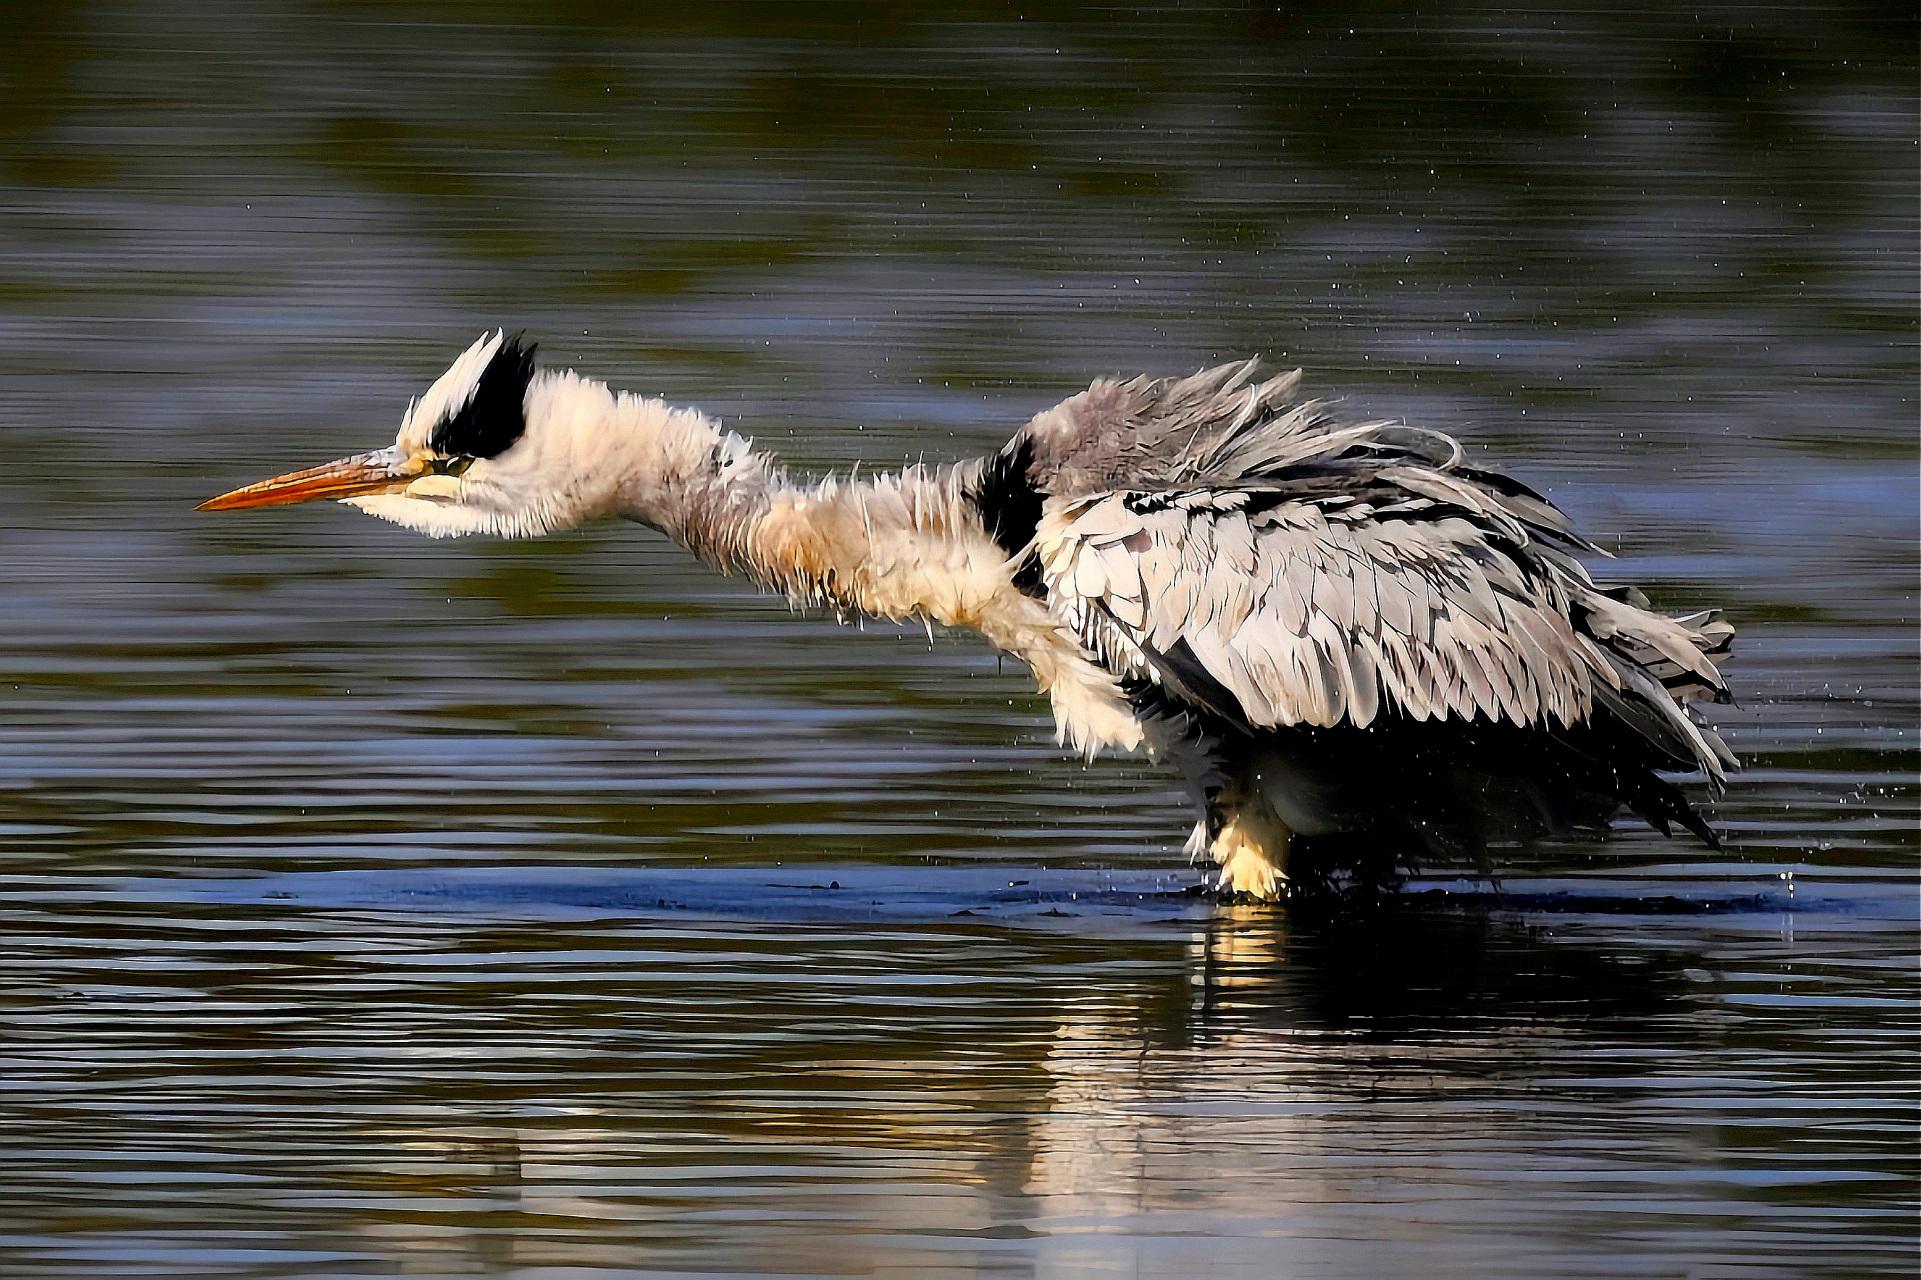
x,y
1266,563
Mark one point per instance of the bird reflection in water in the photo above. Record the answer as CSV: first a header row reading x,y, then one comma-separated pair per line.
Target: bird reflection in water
x,y
1262,1080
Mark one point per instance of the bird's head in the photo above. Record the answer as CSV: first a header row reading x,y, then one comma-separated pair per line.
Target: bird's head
x,y
494,446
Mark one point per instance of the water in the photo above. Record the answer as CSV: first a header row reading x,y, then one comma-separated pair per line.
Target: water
x,y
378,907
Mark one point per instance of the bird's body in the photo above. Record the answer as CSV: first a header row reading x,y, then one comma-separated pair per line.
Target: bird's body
x,y
1336,629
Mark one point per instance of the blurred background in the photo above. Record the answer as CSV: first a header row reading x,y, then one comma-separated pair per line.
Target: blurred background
x,y
326,849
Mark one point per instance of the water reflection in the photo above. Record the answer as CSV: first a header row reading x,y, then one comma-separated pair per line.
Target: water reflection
x,y
465,1085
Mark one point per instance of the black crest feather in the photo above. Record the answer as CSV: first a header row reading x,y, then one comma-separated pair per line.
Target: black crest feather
x,y
496,414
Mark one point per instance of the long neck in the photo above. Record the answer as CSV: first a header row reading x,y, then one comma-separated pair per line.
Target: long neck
x,y
901,544
703,487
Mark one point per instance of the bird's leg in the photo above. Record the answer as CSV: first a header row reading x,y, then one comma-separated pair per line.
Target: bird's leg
x,y
1238,827
1250,842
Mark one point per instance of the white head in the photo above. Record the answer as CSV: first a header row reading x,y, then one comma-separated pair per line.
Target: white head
x,y
494,446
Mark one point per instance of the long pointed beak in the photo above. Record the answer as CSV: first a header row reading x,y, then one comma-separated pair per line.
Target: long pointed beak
x,y
379,472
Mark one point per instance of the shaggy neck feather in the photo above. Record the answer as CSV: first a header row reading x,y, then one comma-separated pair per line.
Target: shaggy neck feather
x,y
901,544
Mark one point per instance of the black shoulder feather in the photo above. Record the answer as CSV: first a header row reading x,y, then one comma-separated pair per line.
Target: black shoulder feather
x,y
1006,496
1009,503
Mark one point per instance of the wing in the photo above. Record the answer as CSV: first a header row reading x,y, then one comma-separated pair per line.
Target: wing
x,y
1272,564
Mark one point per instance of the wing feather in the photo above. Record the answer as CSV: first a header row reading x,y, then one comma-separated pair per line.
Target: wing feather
x,y
1255,550
1323,626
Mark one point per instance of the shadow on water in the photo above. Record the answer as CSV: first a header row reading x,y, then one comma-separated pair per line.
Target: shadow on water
x,y
1392,968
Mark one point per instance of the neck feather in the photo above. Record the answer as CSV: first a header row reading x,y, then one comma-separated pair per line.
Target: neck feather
x,y
702,486
900,544
903,544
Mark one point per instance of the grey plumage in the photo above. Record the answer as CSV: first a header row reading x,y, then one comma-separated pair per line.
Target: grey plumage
x,y
1271,567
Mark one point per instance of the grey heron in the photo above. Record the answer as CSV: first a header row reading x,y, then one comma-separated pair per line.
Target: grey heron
x,y
1338,630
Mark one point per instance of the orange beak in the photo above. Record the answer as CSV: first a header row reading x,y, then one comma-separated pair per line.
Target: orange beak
x,y
363,473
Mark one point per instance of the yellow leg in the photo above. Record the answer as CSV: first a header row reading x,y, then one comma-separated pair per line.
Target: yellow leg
x,y
1252,851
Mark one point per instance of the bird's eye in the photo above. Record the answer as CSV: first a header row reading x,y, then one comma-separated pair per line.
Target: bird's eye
x,y
449,466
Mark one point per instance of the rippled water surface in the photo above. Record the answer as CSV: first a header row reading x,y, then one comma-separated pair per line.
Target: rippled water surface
x,y
375,906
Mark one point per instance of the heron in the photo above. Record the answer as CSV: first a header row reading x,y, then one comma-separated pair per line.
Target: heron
x,y
1338,632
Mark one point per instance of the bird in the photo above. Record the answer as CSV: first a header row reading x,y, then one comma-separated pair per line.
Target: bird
x,y
1347,641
